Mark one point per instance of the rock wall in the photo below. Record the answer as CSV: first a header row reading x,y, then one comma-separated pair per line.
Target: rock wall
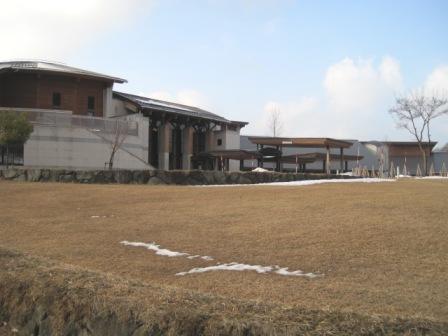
x,y
153,177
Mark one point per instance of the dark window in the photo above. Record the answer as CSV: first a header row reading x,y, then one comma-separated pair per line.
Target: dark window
x,y
90,103
219,142
56,99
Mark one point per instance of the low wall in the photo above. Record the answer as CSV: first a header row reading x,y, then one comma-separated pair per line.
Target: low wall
x,y
154,177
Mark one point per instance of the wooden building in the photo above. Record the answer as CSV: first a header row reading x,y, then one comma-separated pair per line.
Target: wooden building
x,y
72,107
45,85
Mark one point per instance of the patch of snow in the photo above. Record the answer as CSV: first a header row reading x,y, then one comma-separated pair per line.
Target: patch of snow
x,y
164,252
155,248
423,177
260,170
206,258
219,267
304,182
229,267
246,267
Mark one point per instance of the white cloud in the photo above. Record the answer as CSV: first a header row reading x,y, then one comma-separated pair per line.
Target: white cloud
x,y
292,115
188,97
437,82
354,102
360,87
56,28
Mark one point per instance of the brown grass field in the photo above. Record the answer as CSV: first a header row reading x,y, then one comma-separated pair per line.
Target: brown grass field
x,y
382,247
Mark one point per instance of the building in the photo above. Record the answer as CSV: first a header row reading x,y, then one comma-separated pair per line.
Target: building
x,y
404,155
77,118
335,155
306,154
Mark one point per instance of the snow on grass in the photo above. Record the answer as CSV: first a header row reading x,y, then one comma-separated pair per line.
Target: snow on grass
x,y
218,267
246,267
163,252
306,182
155,248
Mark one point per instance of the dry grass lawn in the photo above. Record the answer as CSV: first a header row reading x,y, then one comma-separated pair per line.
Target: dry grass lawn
x,y
383,248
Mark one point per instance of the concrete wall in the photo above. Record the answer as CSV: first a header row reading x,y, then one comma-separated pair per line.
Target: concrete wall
x,y
440,159
230,139
69,147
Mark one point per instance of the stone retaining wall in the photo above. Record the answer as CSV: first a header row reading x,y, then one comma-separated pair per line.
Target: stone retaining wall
x,y
153,177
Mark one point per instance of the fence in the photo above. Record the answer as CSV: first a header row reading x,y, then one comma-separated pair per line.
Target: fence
x,y
67,119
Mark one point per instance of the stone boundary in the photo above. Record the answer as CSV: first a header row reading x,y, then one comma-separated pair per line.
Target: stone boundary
x,y
154,177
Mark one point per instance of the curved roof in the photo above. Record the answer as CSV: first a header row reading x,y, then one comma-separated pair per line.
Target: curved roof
x,y
52,67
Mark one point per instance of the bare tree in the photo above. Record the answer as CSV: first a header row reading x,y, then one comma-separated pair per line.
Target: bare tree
x,y
118,135
415,113
275,124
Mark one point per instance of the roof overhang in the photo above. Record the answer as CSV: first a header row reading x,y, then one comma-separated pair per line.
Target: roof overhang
x,y
149,106
301,142
55,68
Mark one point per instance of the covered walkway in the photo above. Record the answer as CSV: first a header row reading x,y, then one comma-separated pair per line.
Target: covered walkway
x,y
275,145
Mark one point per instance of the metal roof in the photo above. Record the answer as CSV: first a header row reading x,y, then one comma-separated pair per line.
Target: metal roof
x,y
300,142
60,68
401,143
169,107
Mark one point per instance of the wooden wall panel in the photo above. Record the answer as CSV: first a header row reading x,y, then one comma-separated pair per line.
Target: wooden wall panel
x,y
409,151
18,90
36,91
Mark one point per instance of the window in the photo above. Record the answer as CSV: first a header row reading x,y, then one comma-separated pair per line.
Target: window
x,y
219,142
90,103
56,99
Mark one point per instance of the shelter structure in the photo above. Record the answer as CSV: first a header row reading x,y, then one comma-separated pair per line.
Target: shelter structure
x,y
272,150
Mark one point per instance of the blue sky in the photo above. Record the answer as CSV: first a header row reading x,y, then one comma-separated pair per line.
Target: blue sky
x,y
332,68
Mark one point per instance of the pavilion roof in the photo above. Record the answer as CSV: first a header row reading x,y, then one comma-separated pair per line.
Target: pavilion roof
x,y
301,142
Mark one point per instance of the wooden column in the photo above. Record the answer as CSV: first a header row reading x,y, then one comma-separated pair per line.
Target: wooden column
x,y
187,147
277,163
164,146
342,159
209,138
327,161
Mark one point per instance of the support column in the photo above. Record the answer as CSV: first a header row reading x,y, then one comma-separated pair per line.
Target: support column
x,y
209,138
164,146
342,159
187,147
327,161
277,165
107,102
